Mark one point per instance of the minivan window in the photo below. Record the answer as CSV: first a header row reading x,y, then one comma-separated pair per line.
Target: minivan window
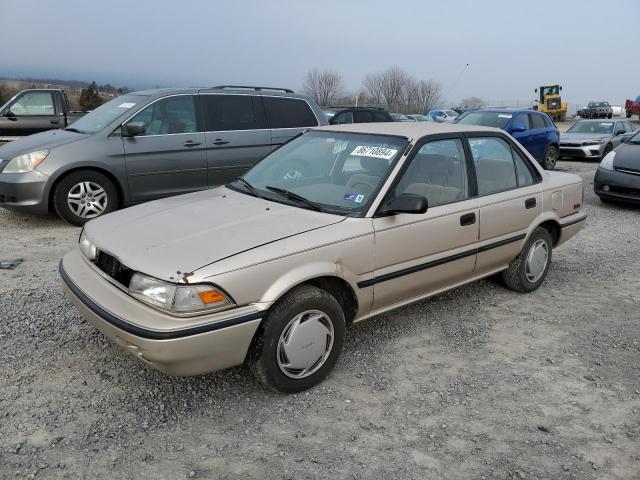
x,y
170,115
34,103
343,117
289,113
537,121
102,116
229,112
364,117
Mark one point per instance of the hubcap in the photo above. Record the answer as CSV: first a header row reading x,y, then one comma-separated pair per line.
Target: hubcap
x,y
537,260
305,344
552,155
87,199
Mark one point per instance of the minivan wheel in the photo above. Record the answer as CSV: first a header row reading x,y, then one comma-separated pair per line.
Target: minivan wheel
x,y
528,270
299,341
84,195
550,157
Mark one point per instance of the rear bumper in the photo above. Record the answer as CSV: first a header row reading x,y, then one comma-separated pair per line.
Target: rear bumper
x,y
620,186
175,346
571,225
25,192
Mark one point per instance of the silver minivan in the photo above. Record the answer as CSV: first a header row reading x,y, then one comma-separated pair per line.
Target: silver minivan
x,y
151,144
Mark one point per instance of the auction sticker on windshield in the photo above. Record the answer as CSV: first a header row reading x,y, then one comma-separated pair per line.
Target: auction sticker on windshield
x,y
126,105
377,152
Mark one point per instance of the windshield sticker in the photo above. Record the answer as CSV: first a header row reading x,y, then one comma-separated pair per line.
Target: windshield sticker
x,y
606,124
340,146
505,115
126,105
353,197
377,152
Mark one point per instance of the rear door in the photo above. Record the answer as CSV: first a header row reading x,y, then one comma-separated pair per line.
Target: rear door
x,y
236,135
509,199
287,117
31,112
417,254
169,158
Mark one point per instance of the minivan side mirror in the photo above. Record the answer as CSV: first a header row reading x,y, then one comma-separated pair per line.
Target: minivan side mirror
x,y
405,203
132,129
518,128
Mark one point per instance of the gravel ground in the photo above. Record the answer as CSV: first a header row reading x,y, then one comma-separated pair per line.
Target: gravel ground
x,y
478,383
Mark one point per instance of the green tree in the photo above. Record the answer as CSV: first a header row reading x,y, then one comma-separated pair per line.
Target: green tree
x,y
89,98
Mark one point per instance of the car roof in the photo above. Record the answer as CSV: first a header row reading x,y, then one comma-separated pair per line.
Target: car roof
x,y
406,129
506,110
276,92
601,120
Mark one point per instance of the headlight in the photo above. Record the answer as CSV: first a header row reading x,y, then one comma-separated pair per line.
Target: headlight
x,y
25,163
592,142
179,299
607,161
87,247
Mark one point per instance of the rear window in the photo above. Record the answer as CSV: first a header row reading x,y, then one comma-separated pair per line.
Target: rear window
x,y
229,112
486,119
289,113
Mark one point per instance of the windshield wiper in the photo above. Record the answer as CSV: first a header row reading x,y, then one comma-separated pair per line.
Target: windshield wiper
x,y
294,196
71,129
250,188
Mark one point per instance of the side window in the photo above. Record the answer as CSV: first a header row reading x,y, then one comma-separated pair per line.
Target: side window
x,y
170,115
289,113
438,172
343,117
34,103
537,121
630,128
379,117
524,175
228,112
495,169
522,119
364,117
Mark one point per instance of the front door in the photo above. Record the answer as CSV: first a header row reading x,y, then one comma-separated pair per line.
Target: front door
x,y
418,254
31,112
509,197
235,133
524,137
169,158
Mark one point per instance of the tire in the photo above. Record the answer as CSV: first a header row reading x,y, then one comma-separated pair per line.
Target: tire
x,y
610,115
563,117
550,157
268,357
628,113
98,190
519,276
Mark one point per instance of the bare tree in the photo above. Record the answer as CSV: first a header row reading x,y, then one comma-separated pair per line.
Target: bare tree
x,y
388,87
423,95
324,86
471,102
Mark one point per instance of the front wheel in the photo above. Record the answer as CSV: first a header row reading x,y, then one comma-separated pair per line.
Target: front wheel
x,y
84,195
550,157
299,341
628,113
529,269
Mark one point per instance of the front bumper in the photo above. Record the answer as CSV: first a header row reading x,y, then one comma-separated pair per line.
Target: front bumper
x,y
25,192
176,346
589,152
621,186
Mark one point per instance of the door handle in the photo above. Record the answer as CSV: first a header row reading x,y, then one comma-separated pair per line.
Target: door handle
x,y
530,202
468,219
191,143
219,141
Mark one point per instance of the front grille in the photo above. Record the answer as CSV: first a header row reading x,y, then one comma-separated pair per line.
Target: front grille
x,y
631,192
628,170
112,267
568,144
553,103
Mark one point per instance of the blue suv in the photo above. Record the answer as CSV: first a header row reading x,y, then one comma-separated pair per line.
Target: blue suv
x,y
534,130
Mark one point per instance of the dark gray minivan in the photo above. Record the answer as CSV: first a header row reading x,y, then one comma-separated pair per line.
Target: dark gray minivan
x,y
151,144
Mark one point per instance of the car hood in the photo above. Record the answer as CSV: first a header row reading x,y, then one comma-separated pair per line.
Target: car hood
x,y
187,232
582,137
627,156
40,141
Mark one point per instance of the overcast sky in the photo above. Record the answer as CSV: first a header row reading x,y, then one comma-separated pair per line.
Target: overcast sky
x,y
589,46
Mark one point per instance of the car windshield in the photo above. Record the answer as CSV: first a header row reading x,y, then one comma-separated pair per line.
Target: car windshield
x,y
602,104
398,117
334,172
635,139
102,116
591,127
486,119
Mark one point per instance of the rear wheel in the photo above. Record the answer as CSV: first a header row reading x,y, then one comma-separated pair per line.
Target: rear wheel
x,y
628,113
529,269
550,157
299,341
84,195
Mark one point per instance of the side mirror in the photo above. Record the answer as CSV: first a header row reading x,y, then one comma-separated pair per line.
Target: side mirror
x,y
132,129
406,203
518,128
8,113
621,131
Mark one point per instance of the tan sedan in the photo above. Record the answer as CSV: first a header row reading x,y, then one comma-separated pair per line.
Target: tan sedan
x,y
336,226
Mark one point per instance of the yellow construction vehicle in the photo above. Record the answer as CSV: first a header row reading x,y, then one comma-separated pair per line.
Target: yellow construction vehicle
x,y
549,102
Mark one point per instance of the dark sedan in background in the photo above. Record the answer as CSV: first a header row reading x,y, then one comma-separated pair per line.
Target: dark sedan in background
x,y
618,175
